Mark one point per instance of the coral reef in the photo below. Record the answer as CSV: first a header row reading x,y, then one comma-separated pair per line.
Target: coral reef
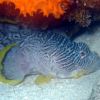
x,y
86,11
59,13
47,7
8,10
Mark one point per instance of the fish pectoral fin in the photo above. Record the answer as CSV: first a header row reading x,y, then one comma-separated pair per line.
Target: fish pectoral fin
x,y
2,55
5,50
78,73
9,82
41,79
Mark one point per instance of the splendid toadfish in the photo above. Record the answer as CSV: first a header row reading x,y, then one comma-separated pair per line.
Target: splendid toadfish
x,y
49,54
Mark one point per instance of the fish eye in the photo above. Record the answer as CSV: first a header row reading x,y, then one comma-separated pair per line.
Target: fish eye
x,y
82,54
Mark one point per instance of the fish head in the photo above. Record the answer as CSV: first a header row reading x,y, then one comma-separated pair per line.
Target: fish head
x,y
86,59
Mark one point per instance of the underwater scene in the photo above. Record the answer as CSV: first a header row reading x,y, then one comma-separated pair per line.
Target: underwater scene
x,y
49,49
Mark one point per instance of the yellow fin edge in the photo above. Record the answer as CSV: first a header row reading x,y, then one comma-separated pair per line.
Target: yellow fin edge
x,y
41,79
78,73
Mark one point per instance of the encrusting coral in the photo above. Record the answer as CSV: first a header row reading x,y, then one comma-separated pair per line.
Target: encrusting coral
x,y
48,14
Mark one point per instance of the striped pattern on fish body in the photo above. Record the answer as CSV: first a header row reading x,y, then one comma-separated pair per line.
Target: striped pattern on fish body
x,y
49,53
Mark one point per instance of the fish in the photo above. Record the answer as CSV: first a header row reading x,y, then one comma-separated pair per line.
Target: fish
x,y
47,53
